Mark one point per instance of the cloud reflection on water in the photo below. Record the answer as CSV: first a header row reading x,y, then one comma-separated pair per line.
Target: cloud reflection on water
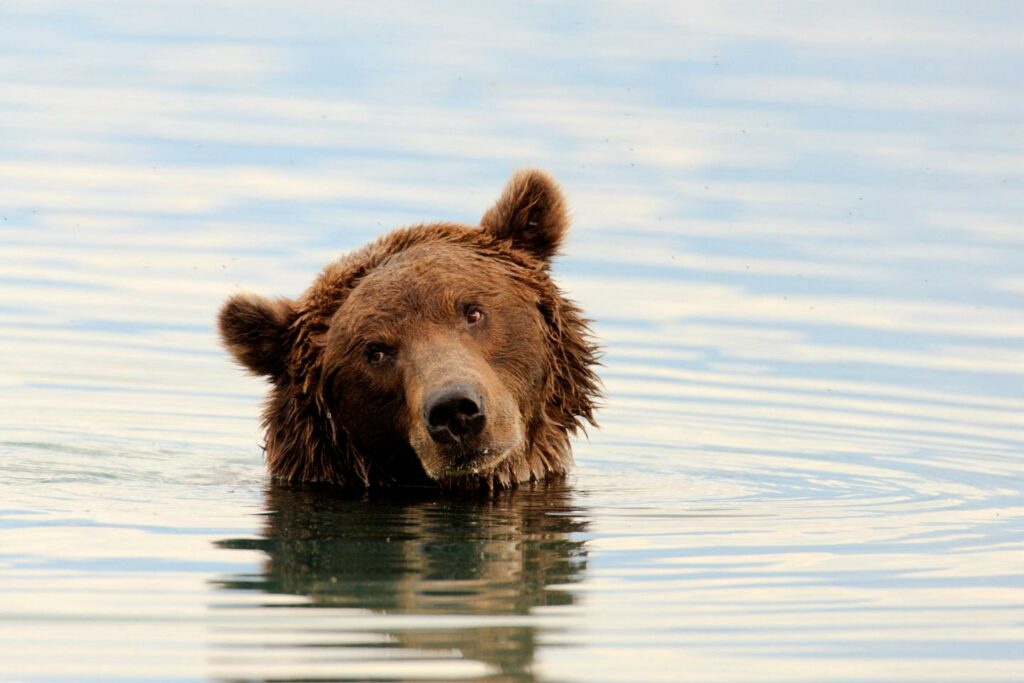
x,y
797,226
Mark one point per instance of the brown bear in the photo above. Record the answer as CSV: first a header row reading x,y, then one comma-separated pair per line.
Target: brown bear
x,y
440,354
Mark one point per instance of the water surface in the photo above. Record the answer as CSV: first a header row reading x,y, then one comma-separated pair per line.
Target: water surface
x,y
797,228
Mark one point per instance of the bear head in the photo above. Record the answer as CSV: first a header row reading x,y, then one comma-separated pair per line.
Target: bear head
x,y
440,354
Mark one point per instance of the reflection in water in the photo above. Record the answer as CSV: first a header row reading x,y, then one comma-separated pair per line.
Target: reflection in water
x,y
481,557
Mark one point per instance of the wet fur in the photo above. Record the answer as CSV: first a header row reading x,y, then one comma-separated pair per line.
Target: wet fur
x,y
306,440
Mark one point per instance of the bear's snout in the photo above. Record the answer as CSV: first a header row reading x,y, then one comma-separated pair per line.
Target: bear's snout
x,y
462,416
454,414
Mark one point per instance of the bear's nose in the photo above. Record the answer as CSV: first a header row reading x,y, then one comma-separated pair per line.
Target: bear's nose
x,y
454,413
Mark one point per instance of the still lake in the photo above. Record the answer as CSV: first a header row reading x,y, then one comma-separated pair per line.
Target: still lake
x,y
798,230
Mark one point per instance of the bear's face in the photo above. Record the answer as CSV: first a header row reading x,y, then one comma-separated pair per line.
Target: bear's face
x,y
441,349
438,353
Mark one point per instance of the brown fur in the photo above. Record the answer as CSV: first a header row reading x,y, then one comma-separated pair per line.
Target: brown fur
x,y
330,417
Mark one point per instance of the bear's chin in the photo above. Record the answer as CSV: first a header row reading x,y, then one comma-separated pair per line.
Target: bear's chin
x,y
453,462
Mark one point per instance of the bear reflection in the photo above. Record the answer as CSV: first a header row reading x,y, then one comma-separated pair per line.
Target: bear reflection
x,y
502,554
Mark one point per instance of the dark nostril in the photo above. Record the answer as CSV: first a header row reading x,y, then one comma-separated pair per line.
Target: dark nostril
x,y
468,407
454,412
440,416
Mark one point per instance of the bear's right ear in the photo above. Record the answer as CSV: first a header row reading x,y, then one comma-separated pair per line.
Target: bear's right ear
x,y
530,212
255,330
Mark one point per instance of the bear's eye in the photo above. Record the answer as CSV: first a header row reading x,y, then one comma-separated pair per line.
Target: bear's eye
x,y
473,314
376,354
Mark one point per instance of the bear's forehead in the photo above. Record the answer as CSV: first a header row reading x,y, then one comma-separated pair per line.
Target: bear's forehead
x,y
426,278
431,259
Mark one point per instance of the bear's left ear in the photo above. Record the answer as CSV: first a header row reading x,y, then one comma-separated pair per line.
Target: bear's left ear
x,y
531,212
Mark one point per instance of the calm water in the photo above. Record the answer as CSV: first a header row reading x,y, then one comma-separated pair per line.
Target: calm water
x,y
798,227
